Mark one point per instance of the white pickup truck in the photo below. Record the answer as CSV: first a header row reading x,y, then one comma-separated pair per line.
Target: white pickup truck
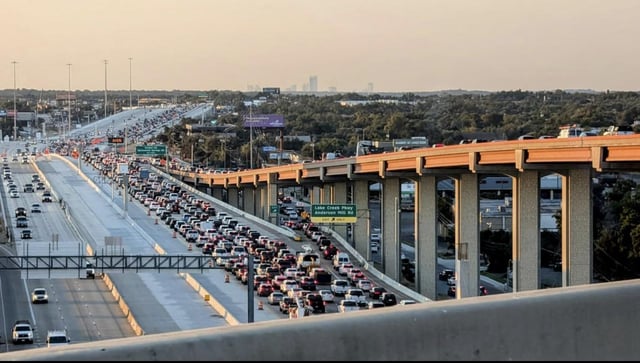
x,y
339,287
356,295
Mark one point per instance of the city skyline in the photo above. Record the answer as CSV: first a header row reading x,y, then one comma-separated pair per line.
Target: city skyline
x,y
335,46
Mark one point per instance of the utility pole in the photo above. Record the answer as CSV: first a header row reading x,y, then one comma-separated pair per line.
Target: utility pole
x,y
130,103
69,103
15,109
105,88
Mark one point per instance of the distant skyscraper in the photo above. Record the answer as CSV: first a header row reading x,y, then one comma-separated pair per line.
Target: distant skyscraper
x,y
313,84
370,87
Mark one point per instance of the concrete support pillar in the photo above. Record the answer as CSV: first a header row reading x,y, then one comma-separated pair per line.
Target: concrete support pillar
x,y
361,230
232,195
467,239
390,215
526,231
426,236
271,199
260,199
216,192
325,194
339,196
249,202
577,228
314,195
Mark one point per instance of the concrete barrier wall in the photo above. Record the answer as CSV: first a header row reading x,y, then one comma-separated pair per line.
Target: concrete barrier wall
x,y
215,304
588,322
122,304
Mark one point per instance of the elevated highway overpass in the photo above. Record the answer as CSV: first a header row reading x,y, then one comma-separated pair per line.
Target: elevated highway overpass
x,y
347,180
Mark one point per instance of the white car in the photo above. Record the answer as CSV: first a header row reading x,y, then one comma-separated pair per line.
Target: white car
x,y
287,285
14,194
327,295
375,247
339,287
451,281
39,295
407,302
356,295
375,238
364,285
347,305
290,272
275,297
35,208
345,268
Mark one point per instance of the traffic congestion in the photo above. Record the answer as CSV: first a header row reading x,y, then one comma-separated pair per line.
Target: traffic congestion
x,y
298,276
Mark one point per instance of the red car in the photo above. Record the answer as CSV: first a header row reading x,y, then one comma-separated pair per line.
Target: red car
x,y
265,289
376,292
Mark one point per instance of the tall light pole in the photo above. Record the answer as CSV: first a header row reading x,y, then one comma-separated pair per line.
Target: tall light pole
x,y
69,103
105,88
250,137
15,109
192,156
130,104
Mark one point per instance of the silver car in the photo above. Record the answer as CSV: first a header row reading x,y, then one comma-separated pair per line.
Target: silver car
x,y
275,297
39,295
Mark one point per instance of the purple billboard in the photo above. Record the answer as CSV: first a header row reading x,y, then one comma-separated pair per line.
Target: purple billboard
x,y
263,121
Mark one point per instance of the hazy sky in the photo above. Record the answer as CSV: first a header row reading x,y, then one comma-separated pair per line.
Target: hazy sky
x,y
397,45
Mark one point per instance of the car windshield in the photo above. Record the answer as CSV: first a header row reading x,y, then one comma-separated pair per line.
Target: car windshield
x,y
57,339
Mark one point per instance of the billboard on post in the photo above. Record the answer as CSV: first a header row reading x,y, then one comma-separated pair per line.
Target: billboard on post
x,y
264,121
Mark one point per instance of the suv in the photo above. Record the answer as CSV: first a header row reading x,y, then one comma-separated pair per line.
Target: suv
x,y
57,338
46,197
21,211
314,301
22,332
21,222
90,271
28,188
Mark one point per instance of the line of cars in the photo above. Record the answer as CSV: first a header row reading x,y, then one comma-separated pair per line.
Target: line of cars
x,y
22,220
294,281
449,276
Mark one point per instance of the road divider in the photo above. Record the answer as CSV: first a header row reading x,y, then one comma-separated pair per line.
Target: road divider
x,y
123,305
215,304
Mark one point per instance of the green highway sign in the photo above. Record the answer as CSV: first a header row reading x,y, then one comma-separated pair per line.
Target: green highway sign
x,y
333,213
273,209
150,150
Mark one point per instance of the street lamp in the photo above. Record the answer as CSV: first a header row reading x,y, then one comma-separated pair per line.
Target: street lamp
x,y
105,88
223,143
130,104
250,137
69,102
15,109
192,166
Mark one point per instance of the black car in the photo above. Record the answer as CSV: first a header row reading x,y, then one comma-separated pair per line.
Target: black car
x,y
25,234
444,275
46,197
314,301
285,304
388,299
21,211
